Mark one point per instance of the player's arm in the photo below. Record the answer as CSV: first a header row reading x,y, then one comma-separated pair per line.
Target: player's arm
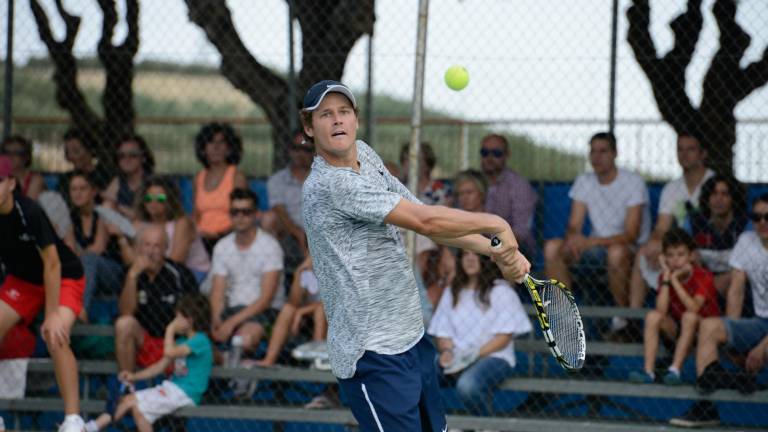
x,y
447,223
735,297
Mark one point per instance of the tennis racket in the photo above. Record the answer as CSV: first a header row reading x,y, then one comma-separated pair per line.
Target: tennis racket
x,y
559,319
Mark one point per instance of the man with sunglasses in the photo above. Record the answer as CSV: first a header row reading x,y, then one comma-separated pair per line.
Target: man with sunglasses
x,y
41,273
284,220
738,335
247,268
509,194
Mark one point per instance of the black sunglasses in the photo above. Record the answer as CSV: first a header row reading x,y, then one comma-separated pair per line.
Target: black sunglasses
x,y
497,153
241,211
757,217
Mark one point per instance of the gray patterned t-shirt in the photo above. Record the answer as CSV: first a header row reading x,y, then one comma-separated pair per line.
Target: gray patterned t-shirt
x,y
366,281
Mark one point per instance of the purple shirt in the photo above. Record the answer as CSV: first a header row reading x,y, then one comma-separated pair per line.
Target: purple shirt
x,y
513,198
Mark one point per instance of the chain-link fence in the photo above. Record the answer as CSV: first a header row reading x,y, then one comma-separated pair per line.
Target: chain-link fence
x,y
132,122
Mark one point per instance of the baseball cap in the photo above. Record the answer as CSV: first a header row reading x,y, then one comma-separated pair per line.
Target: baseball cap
x,y
6,168
317,92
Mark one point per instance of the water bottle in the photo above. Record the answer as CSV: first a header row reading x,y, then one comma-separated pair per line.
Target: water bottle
x,y
236,352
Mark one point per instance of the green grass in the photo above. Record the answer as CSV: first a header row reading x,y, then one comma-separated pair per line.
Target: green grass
x,y
33,98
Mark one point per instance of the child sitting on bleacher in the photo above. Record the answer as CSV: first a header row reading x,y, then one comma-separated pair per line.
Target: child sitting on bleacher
x,y
192,357
686,293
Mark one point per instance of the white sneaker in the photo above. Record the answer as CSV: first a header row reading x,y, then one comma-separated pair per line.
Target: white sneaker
x,y
72,424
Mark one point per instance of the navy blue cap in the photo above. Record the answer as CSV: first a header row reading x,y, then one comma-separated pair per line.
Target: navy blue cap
x,y
317,92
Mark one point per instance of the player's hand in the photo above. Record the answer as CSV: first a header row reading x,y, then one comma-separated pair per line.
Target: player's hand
x,y
505,253
126,376
755,359
54,332
517,271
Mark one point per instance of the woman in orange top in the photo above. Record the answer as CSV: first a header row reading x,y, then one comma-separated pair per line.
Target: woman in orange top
x,y
219,149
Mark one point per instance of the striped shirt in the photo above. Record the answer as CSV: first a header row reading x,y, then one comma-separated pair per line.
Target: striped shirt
x,y
366,280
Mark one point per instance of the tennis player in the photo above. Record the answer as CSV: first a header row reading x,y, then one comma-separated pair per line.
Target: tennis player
x,y
40,271
352,209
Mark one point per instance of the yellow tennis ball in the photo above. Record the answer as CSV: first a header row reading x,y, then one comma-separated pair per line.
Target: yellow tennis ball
x,y
456,77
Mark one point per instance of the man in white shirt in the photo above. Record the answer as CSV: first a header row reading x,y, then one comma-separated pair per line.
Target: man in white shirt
x,y
616,202
247,267
678,198
749,261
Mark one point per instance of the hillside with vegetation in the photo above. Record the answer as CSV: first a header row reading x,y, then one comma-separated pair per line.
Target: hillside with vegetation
x,y
171,101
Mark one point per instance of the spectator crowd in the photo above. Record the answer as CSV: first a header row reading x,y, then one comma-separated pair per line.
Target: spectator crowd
x,y
233,284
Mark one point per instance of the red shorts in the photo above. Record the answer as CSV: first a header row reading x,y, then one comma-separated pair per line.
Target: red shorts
x,y
150,351
27,298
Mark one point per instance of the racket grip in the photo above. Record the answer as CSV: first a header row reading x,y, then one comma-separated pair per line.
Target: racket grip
x,y
495,242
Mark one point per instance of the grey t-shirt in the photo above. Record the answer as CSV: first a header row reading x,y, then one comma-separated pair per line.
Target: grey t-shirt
x,y
366,281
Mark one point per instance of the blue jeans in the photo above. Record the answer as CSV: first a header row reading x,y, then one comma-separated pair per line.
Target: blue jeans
x,y
476,384
101,274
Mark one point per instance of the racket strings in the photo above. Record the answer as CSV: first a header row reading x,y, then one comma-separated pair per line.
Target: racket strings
x,y
565,324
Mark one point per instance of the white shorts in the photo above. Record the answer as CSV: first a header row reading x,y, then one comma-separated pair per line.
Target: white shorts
x,y
161,400
650,275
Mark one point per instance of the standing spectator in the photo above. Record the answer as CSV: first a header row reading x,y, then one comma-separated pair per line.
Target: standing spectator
x,y
247,265
735,334
89,238
41,273
135,162
192,357
479,316
303,302
160,204
686,294
284,220
19,151
509,194
717,224
219,149
78,150
678,198
616,202
153,285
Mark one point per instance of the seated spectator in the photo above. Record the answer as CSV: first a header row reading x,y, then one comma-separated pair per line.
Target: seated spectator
x,y
153,285
509,194
679,198
478,319
247,265
616,202
187,348
686,294
284,220
471,190
219,149
303,302
78,150
734,334
717,224
160,203
19,150
431,192
135,162
89,238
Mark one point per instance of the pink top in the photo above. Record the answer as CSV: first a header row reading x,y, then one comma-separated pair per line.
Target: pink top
x,y
213,206
197,259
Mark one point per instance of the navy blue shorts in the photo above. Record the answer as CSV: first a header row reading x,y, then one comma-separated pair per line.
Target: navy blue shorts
x,y
397,392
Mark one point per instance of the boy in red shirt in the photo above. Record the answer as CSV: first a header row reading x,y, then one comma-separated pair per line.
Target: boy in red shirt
x,y
686,293
40,273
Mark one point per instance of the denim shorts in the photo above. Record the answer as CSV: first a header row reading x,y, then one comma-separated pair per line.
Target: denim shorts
x,y
745,333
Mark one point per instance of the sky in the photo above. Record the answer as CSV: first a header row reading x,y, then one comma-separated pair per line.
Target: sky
x,y
536,67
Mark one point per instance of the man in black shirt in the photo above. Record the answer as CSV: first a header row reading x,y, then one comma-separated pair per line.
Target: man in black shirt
x,y
40,271
152,286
